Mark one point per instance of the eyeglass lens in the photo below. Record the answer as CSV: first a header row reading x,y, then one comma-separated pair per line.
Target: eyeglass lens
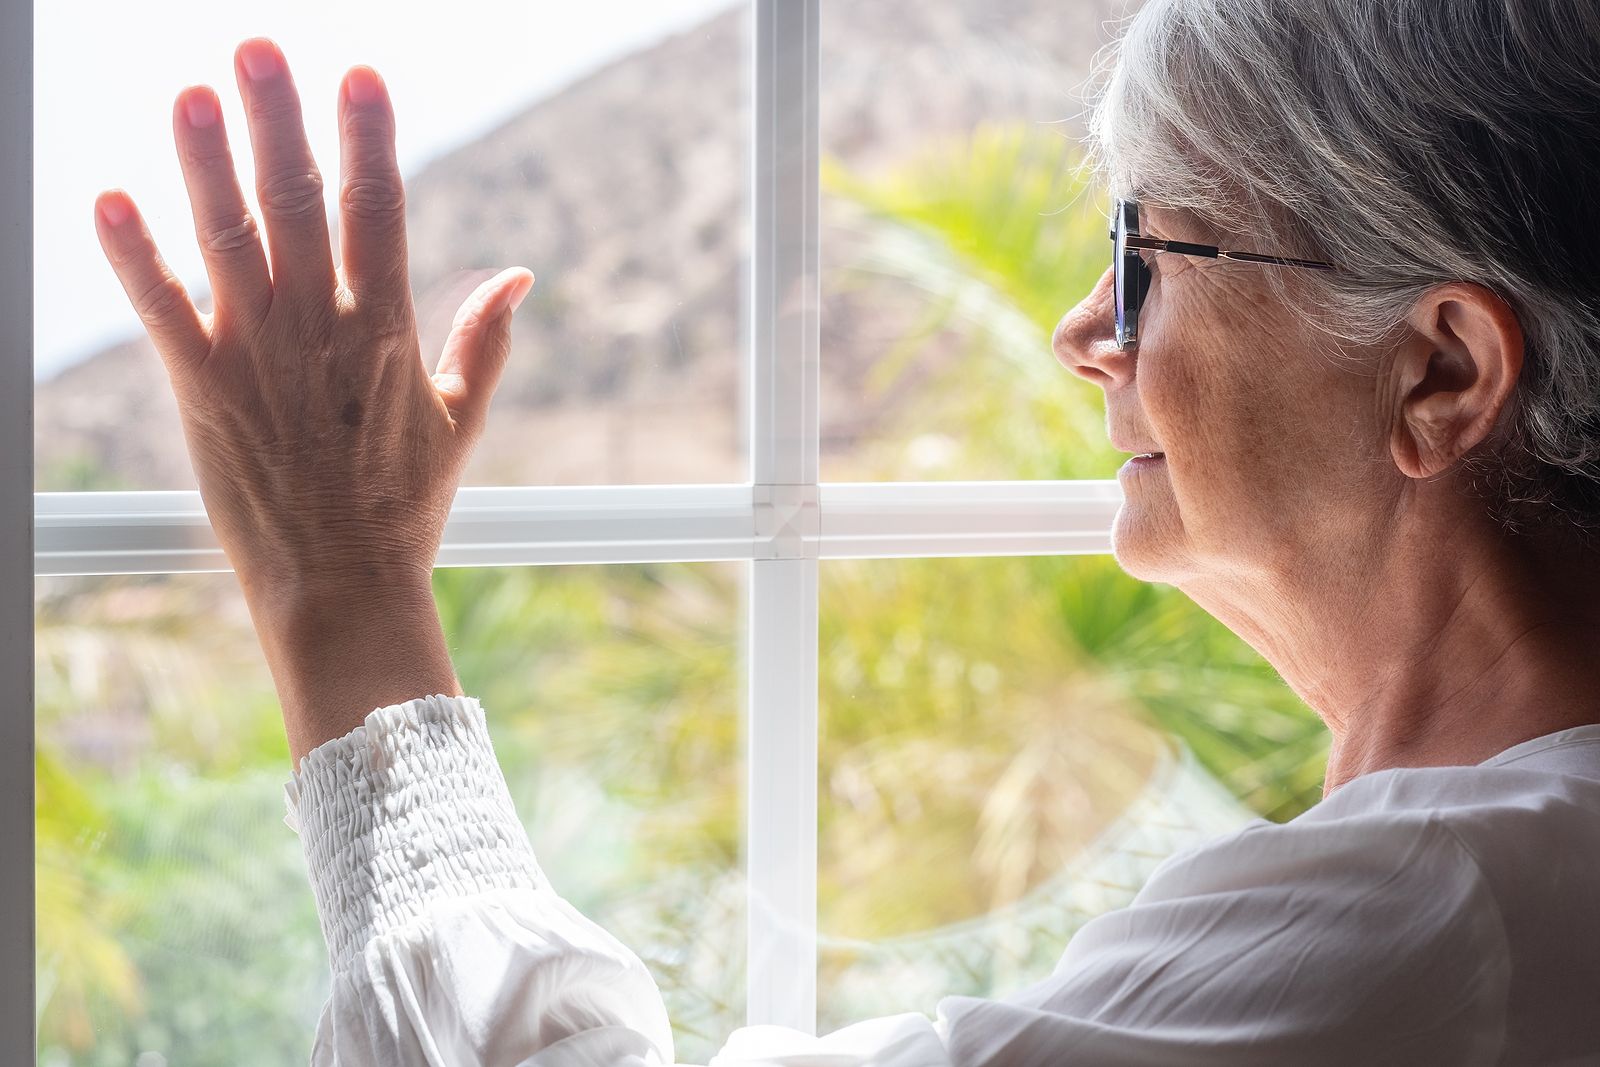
x,y
1130,273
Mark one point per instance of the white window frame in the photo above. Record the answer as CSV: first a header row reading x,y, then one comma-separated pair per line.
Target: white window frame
x,y
16,531
782,520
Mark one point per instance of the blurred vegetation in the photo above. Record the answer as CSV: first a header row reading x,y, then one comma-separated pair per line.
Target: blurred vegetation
x,y
984,720
79,472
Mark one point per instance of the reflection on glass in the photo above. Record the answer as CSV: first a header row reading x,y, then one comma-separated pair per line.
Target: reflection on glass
x,y
175,922
601,145
1009,747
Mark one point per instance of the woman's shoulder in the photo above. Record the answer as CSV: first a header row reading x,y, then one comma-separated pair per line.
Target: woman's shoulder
x,y
1527,838
1510,820
1550,793
1299,928
1526,832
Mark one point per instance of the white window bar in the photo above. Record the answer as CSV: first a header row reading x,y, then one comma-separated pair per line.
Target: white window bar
x,y
16,533
168,533
779,650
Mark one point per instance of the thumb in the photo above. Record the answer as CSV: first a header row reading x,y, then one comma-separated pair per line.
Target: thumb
x,y
475,353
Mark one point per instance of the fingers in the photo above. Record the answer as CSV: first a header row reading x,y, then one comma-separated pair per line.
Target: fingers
x,y
372,218
475,353
235,262
288,184
160,300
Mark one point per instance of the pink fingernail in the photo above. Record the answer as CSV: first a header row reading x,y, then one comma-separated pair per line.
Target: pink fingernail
x,y
520,293
201,109
362,85
114,210
260,59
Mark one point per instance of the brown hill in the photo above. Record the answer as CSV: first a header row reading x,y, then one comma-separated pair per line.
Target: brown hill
x,y
625,194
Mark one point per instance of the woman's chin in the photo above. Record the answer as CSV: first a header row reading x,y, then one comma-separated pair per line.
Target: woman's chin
x,y
1140,545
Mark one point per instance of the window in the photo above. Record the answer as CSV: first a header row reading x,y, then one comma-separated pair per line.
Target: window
x,y
173,916
797,644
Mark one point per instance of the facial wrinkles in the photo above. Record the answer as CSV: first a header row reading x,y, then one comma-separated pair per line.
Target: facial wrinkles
x,y
1257,439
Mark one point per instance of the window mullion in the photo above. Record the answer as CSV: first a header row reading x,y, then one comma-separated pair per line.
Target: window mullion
x,y
780,621
167,532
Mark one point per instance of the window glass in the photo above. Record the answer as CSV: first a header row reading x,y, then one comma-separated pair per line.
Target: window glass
x,y
1009,746
956,231
601,145
175,921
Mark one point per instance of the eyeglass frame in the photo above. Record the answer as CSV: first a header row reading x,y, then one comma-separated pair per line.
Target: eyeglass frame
x,y
1132,285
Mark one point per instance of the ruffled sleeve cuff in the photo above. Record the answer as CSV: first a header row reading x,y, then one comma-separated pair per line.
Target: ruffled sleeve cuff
x,y
409,808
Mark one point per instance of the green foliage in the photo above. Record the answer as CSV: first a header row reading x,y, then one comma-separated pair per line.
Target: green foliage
x,y
78,472
999,237
211,907
629,673
966,749
82,961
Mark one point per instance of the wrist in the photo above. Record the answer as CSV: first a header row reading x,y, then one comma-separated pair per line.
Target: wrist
x,y
337,653
303,594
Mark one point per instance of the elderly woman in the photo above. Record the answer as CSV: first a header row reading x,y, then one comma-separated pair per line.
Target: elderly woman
x,y
1353,326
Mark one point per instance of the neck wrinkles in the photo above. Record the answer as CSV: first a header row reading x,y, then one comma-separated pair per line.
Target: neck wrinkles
x,y
1436,656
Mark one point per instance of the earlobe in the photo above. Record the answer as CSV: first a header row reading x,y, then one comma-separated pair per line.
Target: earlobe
x,y
1454,375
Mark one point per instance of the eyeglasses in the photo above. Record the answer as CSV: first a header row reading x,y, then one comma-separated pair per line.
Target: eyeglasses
x,y
1132,273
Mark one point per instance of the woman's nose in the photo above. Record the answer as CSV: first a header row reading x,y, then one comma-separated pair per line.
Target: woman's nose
x,y
1085,340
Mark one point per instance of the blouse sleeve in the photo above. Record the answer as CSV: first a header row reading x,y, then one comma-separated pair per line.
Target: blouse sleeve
x,y
448,945
1348,940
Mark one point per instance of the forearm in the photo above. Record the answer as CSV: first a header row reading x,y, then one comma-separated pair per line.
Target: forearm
x,y
335,656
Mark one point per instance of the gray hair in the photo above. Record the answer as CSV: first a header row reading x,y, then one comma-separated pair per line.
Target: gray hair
x,y
1411,142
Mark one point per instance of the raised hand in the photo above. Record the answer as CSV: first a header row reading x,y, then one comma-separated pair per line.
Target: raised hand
x,y
326,454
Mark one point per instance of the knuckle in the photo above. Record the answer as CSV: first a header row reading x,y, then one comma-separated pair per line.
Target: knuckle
x,y
472,315
275,109
228,234
468,319
292,194
388,318
373,198
370,137
162,299
211,162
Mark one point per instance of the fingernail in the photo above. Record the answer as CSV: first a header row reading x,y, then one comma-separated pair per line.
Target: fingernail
x,y
201,109
260,59
518,295
362,85
114,210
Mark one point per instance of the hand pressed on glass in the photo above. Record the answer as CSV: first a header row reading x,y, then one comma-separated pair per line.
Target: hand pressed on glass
x,y
324,451
326,455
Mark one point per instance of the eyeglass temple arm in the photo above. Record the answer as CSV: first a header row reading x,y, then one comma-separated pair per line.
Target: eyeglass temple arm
x,y
1157,244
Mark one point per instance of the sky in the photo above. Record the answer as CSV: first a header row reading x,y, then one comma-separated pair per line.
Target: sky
x,y
106,74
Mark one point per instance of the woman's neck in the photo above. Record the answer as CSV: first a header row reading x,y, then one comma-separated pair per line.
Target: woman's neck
x,y
1456,645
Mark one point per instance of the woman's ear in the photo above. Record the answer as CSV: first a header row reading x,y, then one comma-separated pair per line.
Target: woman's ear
x,y
1452,375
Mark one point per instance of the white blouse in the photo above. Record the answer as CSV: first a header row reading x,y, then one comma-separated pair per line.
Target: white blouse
x,y
1445,915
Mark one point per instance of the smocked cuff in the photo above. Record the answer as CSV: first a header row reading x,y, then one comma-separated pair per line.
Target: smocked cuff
x,y
409,808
